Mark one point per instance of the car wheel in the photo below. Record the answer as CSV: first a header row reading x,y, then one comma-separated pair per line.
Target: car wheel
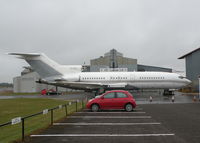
x,y
95,108
129,107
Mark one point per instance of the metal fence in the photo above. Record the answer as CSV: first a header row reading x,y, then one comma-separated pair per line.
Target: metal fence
x,y
46,111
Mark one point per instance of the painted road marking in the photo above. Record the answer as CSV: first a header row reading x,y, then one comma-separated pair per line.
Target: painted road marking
x,y
108,124
102,135
115,112
113,117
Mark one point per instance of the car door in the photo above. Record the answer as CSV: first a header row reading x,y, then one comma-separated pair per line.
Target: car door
x,y
120,100
107,100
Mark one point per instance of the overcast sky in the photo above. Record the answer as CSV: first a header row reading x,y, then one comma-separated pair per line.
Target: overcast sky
x,y
156,32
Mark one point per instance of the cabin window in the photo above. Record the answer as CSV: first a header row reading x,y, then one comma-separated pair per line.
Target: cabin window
x,y
121,95
110,95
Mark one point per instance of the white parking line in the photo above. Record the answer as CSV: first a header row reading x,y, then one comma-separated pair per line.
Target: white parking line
x,y
113,117
108,124
102,135
135,109
114,112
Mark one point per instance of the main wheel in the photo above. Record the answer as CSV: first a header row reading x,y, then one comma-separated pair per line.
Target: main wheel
x,y
95,108
129,107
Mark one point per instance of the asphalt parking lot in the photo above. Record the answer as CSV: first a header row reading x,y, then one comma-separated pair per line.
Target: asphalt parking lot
x,y
152,123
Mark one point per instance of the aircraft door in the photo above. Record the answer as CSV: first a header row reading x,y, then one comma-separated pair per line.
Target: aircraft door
x,y
132,77
132,80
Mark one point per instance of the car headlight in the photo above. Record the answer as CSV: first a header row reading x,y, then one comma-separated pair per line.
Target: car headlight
x,y
90,100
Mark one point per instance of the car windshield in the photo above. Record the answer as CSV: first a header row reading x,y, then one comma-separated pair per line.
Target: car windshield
x,y
98,96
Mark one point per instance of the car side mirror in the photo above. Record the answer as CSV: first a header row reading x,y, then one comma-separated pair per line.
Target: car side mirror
x,y
102,97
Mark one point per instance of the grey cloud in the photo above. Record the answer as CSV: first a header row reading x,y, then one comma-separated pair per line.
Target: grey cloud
x,y
155,32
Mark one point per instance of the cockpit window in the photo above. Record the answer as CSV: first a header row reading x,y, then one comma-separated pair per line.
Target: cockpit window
x,y
181,77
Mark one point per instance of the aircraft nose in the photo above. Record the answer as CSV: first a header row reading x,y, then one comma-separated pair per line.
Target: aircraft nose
x,y
187,81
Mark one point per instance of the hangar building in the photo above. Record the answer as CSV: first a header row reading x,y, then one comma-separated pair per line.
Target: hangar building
x,y
111,61
115,61
192,67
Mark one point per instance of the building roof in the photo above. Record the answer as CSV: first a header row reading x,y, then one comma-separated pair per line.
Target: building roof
x,y
189,53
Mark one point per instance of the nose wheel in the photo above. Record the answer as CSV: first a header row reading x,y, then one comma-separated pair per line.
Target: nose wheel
x,y
168,92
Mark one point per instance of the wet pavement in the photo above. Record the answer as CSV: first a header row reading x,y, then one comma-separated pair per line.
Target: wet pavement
x,y
160,99
141,98
110,126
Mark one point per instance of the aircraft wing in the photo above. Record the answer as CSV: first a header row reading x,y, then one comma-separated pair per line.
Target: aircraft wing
x,y
80,85
89,85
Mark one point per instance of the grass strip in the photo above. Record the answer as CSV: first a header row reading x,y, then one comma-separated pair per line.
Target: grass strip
x,y
11,108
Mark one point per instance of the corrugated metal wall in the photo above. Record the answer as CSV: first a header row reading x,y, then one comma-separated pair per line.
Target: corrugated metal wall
x,y
193,68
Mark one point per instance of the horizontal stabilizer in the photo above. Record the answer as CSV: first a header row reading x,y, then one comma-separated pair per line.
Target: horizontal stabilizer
x,y
25,54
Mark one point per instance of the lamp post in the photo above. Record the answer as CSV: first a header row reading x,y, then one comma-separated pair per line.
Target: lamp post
x,y
199,88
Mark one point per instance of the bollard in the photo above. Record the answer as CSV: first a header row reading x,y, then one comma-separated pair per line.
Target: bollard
x,y
194,98
150,99
173,99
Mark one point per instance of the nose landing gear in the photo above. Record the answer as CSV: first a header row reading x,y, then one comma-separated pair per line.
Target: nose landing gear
x,y
168,92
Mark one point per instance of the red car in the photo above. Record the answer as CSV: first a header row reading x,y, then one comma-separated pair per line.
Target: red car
x,y
116,99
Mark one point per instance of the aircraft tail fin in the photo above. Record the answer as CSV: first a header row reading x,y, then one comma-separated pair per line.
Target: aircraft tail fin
x,y
43,65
